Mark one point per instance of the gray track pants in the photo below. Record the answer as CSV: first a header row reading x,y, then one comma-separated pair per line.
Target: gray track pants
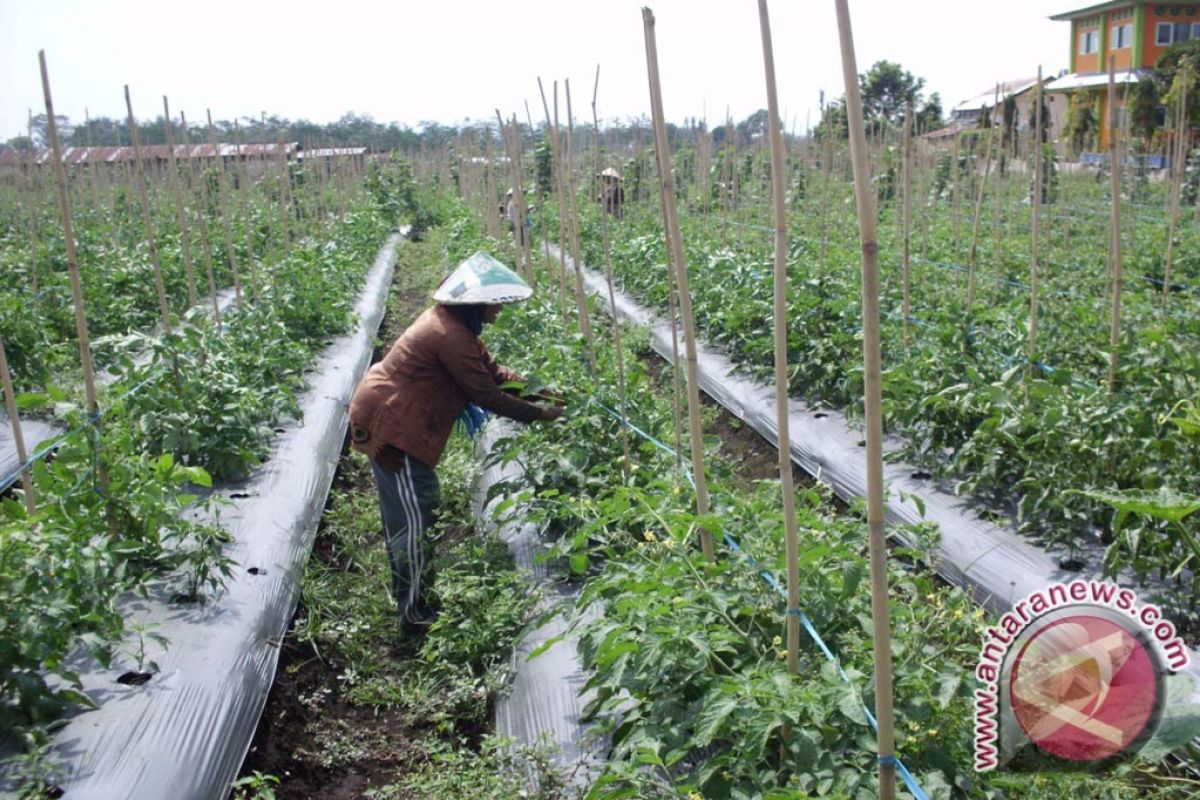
x,y
408,501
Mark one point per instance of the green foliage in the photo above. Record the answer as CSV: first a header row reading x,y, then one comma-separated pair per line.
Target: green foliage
x,y
1082,126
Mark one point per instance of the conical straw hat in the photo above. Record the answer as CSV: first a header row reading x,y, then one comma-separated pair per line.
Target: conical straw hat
x,y
481,279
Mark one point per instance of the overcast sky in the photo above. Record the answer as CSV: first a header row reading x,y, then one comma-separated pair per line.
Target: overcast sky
x,y
447,61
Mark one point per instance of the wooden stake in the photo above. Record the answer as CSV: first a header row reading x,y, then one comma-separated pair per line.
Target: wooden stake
x,y
147,228
685,299
973,255
906,230
184,236
241,174
1036,206
1178,157
10,403
552,127
783,443
585,323
1114,158
873,407
64,207
220,164
612,300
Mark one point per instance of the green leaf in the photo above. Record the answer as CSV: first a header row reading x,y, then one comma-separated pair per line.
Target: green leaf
x,y
1162,503
716,710
851,705
948,683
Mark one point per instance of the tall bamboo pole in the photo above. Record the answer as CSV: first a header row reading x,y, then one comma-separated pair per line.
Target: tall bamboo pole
x,y
10,403
685,299
973,255
612,300
906,229
201,208
220,164
783,445
240,174
1114,158
1177,159
64,207
873,406
1036,206
585,322
147,227
556,159
184,237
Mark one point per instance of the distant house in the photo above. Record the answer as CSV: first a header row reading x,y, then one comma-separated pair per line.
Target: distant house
x,y
1134,33
968,113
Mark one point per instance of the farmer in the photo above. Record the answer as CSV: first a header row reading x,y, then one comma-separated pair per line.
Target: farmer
x,y
402,413
612,196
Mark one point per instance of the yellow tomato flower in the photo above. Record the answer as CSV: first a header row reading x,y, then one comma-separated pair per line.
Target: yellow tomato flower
x,y
778,640
650,537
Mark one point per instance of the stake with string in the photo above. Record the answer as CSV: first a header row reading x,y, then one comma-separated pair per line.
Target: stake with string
x,y
585,322
783,443
873,413
81,330
240,176
973,254
220,164
1036,207
201,207
675,242
515,176
1177,160
526,227
147,228
184,237
556,163
10,403
906,223
612,300
1114,160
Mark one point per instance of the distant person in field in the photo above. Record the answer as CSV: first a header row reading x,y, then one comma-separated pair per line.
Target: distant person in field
x,y
509,211
402,413
612,196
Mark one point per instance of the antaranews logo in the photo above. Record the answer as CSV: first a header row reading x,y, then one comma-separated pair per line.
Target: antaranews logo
x,y
1074,676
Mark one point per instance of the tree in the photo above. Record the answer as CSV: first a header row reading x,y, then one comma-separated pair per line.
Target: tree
x,y
834,124
887,89
930,117
1082,124
40,129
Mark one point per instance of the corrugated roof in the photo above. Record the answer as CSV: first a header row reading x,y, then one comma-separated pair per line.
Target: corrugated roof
x,y
1081,80
150,152
332,152
988,98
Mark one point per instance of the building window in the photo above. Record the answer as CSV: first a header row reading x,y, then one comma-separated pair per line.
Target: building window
x,y
1183,32
1089,42
1122,36
1167,33
1162,33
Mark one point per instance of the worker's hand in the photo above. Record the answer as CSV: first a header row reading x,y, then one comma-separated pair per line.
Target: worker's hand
x,y
551,413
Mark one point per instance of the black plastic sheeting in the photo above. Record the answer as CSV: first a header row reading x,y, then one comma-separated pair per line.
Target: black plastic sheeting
x,y
994,563
545,701
185,732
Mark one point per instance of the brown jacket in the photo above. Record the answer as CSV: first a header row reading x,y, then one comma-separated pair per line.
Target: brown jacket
x,y
410,400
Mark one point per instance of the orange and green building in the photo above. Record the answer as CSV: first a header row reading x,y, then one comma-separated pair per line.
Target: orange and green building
x,y
1134,33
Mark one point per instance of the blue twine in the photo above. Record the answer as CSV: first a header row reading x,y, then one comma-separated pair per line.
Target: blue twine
x,y
472,417
771,580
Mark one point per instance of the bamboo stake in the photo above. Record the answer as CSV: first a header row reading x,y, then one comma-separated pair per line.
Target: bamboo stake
x,y
973,255
281,167
552,128
64,207
626,464
10,403
685,300
517,219
492,211
673,317
873,406
527,229
1114,157
1036,206
201,219
220,164
147,228
585,323
33,206
184,237
240,174
906,231
1176,179
783,444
